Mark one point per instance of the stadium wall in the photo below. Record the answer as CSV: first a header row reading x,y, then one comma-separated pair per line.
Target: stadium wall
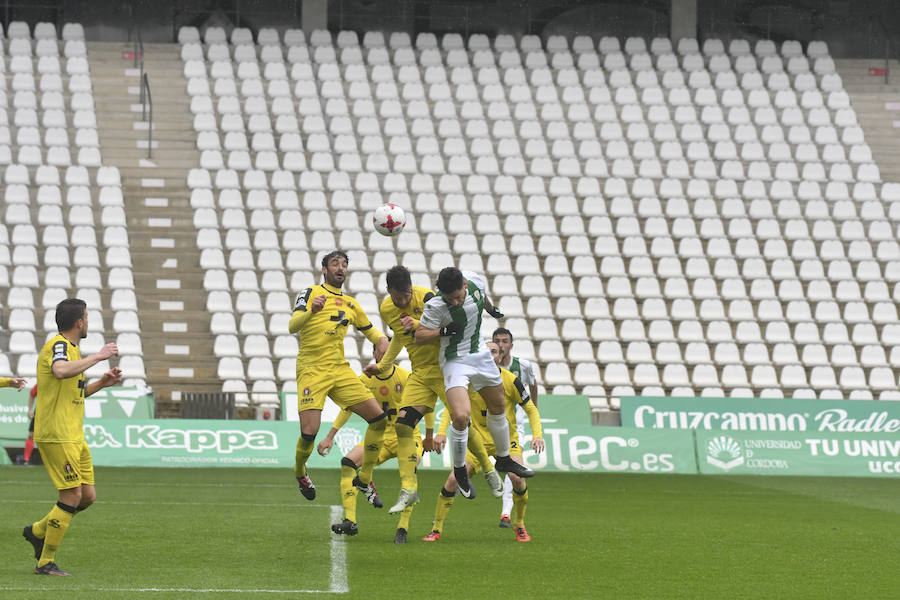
x,y
851,29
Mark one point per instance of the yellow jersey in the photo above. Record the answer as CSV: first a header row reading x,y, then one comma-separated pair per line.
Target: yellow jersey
x,y
59,407
424,357
322,333
5,382
388,391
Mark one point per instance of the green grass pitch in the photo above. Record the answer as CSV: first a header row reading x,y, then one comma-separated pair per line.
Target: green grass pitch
x,y
224,533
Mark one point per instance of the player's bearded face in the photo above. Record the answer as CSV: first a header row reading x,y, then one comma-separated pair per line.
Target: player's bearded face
x,y
335,272
458,297
84,326
400,299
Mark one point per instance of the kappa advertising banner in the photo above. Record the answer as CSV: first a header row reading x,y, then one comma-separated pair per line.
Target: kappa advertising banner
x,y
177,442
827,417
109,403
836,455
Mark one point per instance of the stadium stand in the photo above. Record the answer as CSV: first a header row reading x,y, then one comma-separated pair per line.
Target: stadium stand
x,y
63,230
671,221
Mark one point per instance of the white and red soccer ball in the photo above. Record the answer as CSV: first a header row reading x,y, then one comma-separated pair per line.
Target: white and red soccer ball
x,y
389,219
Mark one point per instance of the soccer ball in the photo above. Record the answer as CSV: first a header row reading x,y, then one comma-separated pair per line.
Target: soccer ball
x,y
389,219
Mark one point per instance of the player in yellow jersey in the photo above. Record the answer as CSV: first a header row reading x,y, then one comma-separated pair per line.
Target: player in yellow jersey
x,y
16,382
388,389
59,428
401,311
322,315
516,394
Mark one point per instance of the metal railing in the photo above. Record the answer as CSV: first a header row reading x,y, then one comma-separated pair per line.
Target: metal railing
x,y
147,110
879,22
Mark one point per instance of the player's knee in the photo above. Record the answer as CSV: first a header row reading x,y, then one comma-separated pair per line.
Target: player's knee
x,y
460,420
378,423
348,462
309,437
410,417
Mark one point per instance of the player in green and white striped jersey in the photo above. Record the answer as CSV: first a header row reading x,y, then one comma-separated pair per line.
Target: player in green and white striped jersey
x,y
454,317
524,370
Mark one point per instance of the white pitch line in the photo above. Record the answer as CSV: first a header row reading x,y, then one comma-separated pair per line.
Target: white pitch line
x,y
169,590
339,583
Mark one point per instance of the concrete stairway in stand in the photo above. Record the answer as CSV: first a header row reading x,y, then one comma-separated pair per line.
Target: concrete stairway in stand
x,y
168,279
877,107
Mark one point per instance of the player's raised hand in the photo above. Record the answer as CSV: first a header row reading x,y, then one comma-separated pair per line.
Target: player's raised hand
x,y
371,370
537,444
317,304
108,350
324,446
111,377
494,312
439,441
17,382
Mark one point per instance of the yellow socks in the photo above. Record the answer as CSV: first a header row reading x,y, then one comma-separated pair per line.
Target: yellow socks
x,y
405,514
348,490
372,448
444,504
304,449
407,456
39,529
57,522
520,502
476,446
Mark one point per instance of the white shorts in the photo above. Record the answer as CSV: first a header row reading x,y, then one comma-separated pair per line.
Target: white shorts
x,y
478,370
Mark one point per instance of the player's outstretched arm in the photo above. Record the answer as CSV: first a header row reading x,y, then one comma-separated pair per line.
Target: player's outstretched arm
x,y
16,382
111,377
63,369
427,335
491,309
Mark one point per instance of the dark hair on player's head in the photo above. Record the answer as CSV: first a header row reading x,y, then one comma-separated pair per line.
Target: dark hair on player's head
x,y
398,279
333,254
68,312
449,280
502,331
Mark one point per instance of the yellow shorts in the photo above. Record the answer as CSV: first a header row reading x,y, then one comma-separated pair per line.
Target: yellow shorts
x,y
340,384
424,390
390,447
514,449
68,463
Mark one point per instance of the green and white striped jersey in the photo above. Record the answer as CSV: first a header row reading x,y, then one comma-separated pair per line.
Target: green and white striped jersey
x,y
522,368
438,313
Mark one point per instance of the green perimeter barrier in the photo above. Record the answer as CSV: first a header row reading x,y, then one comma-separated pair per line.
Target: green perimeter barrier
x,y
179,442
758,414
109,403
